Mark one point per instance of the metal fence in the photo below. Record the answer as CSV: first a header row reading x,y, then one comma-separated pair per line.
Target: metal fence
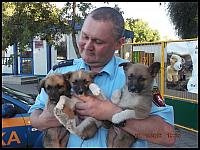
x,y
7,65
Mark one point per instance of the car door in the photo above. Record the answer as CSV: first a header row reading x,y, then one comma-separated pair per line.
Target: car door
x,y
33,134
14,129
14,132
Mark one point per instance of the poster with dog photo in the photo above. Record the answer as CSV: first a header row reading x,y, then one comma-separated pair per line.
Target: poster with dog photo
x,y
182,66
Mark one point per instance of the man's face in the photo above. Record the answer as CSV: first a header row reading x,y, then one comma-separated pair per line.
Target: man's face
x,y
96,43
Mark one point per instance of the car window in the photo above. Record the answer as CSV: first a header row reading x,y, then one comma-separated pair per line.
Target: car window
x,y
26,99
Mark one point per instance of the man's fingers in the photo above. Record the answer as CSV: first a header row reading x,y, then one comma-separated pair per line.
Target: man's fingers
x,y
81,109
80,105
82,112
82,97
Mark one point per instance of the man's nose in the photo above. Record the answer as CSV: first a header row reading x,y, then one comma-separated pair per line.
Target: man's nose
x,y
89,45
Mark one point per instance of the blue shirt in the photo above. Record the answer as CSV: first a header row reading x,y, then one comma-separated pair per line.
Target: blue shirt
x,y
109,79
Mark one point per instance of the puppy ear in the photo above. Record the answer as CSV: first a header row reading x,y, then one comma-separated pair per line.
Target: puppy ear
x,y
67,75
154,68
41,85
125,65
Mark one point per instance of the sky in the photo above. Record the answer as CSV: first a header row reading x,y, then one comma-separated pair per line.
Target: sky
x,y
151,12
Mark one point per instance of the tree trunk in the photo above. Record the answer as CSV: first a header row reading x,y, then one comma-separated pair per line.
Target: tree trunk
x,y
74,32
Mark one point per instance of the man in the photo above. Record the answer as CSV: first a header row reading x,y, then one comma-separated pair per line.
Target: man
x,y
101,35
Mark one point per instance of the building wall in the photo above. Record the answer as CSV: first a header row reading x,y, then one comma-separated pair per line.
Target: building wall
x,y
7,69
40,56
71,54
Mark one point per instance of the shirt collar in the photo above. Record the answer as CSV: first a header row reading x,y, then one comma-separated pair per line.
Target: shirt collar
x,y
83,65
109,68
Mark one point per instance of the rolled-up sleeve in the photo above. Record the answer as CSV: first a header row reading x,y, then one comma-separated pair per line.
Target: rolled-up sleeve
x,y
167,113
40,101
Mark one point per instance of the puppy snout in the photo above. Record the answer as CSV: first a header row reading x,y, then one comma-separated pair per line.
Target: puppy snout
x,y
131,89
80,92
134,89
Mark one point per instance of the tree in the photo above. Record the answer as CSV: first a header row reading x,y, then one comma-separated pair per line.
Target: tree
x,y
118,9
142,32
23,21
27,20
184,16
70,12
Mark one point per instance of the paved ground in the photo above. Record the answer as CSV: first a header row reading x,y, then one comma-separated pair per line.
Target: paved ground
x,y
184,138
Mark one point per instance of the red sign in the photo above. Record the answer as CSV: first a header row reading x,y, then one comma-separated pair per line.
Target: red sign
x,y
38,44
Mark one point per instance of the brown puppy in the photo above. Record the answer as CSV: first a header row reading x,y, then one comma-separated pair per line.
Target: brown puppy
x,y
81,83
55,85
135,99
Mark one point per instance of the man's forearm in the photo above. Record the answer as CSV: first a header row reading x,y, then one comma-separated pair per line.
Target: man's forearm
x,y
34,118
41,120
153,129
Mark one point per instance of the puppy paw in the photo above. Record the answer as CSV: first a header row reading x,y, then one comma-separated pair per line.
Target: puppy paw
x,y
94,89
61,102
117,118
62,118
71,126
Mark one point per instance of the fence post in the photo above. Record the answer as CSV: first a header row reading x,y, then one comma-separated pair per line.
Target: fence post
x,y
162,82
15,63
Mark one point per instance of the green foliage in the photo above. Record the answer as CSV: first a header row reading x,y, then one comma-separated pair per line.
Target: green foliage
x,y
184,16
27,20
142,32
69,12
84,9
118,9
23,21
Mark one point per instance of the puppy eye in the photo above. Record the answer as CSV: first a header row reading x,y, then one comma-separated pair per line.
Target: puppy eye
x,y
60,86
85,81
75,81
130,76
142,79
48,87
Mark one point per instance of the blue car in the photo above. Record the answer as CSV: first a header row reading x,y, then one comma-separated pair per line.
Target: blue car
x,y
16,127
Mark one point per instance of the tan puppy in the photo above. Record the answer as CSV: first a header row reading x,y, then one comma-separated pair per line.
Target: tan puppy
x,y
55,85
81,83
135,99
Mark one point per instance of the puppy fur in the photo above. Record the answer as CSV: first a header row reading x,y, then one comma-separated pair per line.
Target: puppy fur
x,y
82,84
135,99
55,85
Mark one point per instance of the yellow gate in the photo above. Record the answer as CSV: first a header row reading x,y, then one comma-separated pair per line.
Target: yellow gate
x,y
181,85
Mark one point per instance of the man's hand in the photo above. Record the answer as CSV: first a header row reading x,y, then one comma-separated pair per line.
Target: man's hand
x,y
94,107
47,116
43,119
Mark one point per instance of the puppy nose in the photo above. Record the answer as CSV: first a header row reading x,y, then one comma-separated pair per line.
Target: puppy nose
x,y
80,92
131,89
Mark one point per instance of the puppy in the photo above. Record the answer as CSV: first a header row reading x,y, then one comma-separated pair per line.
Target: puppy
x,y
135,99
81,83
55,85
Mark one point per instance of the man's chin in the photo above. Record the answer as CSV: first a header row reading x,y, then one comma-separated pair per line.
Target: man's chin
x,y
89,62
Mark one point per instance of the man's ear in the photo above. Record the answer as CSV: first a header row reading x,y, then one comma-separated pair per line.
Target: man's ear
x,y
119,43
